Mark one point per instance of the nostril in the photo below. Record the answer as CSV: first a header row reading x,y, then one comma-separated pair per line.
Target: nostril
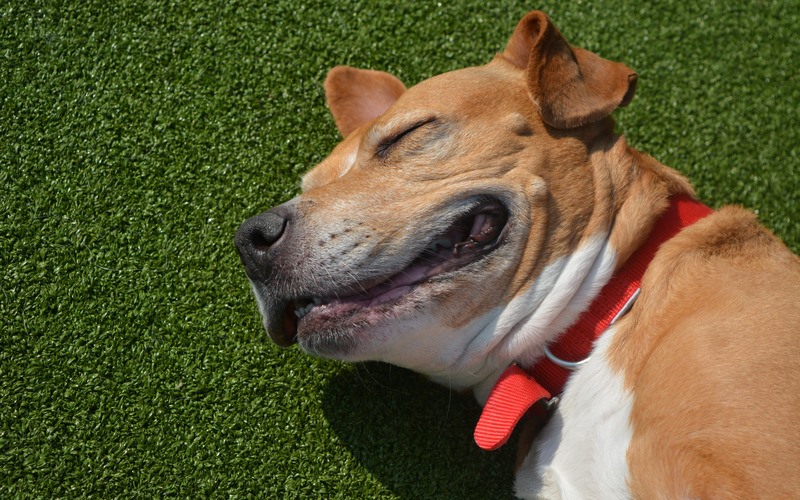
x,y
260,242
258,234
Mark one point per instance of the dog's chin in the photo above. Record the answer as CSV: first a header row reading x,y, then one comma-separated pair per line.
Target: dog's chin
x,y
347,321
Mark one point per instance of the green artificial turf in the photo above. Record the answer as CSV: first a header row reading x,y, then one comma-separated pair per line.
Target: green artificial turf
x,y
136,136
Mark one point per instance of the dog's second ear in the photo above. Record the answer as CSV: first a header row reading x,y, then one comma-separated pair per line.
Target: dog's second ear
x,y
571,86
356,96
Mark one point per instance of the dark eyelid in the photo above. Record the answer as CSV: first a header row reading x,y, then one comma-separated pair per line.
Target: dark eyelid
x,y
385,145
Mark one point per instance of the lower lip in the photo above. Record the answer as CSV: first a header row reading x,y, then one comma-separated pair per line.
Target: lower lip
x,y
368,311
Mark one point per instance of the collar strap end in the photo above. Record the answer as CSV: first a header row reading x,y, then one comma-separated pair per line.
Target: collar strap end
x,y
514,394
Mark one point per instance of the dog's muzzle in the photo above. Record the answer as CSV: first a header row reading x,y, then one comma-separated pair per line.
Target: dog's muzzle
x,y
294,301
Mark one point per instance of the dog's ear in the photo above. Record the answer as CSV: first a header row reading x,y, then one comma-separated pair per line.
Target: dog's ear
x,y
356,96
571,86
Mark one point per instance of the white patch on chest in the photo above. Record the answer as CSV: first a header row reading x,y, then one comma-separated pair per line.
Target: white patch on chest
x,y
581,452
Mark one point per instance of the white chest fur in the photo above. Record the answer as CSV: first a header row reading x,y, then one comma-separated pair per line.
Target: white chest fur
x,y
581,453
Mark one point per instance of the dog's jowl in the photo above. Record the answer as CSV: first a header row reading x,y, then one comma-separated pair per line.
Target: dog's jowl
x,y
489,229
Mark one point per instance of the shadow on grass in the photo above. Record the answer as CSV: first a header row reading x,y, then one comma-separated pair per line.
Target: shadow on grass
x,y
415,437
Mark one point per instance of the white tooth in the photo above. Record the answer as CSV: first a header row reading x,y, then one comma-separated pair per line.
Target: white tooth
x,y
298,313
317,300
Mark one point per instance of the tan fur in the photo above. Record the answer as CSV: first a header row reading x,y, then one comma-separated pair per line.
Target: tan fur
x,y
711,353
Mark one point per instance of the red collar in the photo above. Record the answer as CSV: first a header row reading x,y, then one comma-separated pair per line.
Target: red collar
x,y
517,389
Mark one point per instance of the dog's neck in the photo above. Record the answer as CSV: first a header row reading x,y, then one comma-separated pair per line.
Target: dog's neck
x,y
567,286
519,389
561,293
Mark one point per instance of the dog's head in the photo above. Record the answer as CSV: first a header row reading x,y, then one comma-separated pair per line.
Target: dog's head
x,y
445,205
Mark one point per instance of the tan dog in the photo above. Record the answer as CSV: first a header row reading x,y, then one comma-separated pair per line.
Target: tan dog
x,y
464,224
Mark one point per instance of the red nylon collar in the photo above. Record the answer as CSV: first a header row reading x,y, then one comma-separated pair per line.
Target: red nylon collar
x,y
517,389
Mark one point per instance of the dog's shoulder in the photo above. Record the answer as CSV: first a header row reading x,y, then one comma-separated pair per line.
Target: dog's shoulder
x,y
730,234
717,326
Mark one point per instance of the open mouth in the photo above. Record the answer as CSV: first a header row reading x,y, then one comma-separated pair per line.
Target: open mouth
x,y
471,237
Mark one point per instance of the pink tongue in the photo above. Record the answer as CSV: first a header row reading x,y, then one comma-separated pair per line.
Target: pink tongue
x,y
396,287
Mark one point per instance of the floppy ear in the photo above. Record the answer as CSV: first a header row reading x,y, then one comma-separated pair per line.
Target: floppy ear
x,y
356,96
572,86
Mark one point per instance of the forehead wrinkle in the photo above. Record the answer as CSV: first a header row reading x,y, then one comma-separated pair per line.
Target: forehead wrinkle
x,y
388,125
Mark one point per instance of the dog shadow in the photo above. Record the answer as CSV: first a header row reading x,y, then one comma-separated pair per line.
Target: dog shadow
x,y
415,437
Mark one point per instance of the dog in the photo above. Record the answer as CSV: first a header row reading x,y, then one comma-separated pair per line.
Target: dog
x,y
488,228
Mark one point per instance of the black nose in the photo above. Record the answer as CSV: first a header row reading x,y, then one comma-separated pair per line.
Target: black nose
x,y
257,236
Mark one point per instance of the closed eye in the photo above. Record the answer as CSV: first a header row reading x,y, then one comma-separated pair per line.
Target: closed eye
x,y
385,146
